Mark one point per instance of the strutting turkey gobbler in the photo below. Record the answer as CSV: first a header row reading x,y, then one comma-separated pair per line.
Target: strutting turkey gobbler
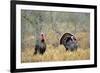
x,y
69,41
40,45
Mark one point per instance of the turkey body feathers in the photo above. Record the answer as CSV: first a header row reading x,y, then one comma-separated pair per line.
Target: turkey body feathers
x,y
40,47
69,41
64,37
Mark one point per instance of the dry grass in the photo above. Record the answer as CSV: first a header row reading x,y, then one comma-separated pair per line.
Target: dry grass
x,y
83,39
54,54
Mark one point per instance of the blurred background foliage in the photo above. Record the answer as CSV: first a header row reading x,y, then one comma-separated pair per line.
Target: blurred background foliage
x,y
53,24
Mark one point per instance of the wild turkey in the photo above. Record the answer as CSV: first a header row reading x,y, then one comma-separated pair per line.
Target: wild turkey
x,y
40,45
69,41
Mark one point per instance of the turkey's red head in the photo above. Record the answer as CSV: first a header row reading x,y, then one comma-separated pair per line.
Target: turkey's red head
x,y
42,37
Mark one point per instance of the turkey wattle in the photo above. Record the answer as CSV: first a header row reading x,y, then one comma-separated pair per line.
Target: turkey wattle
x,y
69,41
40,45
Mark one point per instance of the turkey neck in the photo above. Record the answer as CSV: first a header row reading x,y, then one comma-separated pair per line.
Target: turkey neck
x,y
43,40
